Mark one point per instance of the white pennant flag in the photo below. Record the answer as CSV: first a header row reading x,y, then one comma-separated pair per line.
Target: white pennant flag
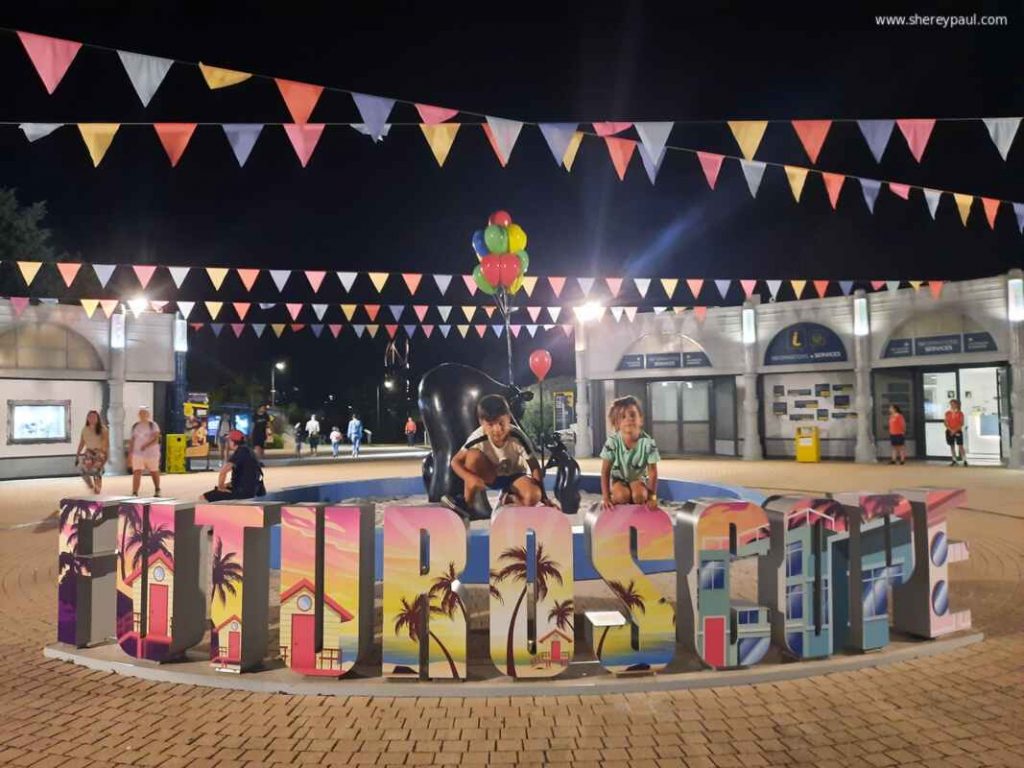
x,y
554,312
659,310
586,283
654,137
145,72
444,311
773,286
631,313
319,310
617,313
1003,130
443,281
36,131
506,133
258,329
445,330
532,330
103,272
892,285
932,197
723,287
642,284
280,277
185,307
359,329
267,305
347,278
178,275
753,171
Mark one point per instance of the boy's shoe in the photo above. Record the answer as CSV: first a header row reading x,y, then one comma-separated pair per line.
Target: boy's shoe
x,y
456,505
953,463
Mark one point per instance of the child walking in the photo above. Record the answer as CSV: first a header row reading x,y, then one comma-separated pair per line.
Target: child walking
x,y
955,432
897,435
629,459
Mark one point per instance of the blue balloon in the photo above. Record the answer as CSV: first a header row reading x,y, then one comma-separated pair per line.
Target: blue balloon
x,y
479,245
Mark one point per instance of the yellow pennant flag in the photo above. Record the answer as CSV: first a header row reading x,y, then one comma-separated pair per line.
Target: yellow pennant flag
x,y
277,328
29,270
213,307
349,310
915,284
669,284
463,329
798,287
378,279
748,134
570,152
469,311
529,282
796,177
372,330
440,138
89,305
217,275
218,77
963,204
678,310
97,138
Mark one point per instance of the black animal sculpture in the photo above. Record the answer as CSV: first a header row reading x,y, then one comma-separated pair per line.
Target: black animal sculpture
x,y
448,396
567,474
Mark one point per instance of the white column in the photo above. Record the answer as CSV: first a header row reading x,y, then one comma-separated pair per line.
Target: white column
x,y
751,426
865,452
584,438
115,406
1016,458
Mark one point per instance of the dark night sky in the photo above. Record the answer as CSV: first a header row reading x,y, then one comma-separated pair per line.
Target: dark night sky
x,y
388,207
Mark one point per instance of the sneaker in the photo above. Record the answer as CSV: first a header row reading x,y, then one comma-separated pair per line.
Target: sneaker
x,y
953,463
965,462
456,505
892,461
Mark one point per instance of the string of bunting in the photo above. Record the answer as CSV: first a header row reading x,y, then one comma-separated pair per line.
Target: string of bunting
x,y
52,57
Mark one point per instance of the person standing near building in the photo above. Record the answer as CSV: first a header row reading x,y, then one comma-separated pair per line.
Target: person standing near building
x,y
93,449
313,433
410,431
223,428
144,448
355,434
260,427
298,440
335,441
954,421
897,435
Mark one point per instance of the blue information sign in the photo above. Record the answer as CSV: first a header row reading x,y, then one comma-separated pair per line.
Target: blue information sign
x,y
980,341
899,348
665,360
803,343
631,362
948,344
696,360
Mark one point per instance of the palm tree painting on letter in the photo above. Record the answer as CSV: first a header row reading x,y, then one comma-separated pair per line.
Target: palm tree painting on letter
x,y
630,599
150,542
130,530
562,614
226,572
515,571
444,585
411,618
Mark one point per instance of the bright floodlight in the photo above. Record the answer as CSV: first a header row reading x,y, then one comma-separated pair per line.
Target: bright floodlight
x,y
590,312
138,306
279,365
1015,299
388,383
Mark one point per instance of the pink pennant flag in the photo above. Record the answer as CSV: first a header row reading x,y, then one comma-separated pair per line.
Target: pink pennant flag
x,y
711,164
935,286
567,330
296,327
917,133
991,210
610,129
293,310
315,278
174,137
412,281
833,184
900,190
614,285
304,138
700,313
434,115
480,329
877,285
51,57
694,285
514,329
420,310
821,286
68,271
427,330
812,135
557,284
335,329
300,98
470,284
392,329
18,304
748,287
533,312
241,309
238,328
489,311
248,277
144,273
621,152
109,306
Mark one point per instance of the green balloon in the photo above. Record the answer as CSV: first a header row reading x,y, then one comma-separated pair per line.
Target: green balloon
x,y
524,259
481,281
496,239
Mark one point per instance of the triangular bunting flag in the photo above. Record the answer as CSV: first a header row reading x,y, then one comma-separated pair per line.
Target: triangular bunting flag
x,y
444,311
991,208
877,285
498,329
812,135
296,327
700,313
158,306
557,284
470,284
723,287
97,138
412,281
1018,210
617,313
567,330
554,312
558,136
300,98
917,133
748,134
892,285
371,311
678,310
533,312
469,310
178,275
378,279
319,310
570,153
335,329
445,330
315,278
932,198
265,305
391,329
258,329
935,286
900,190
614,285
280,277
821,286
359,330
218,77
798,287
442,282
440,139
514,330
846,286
876,133
144,272
217,275
213,307
374,110
963,204
621,152
185,308
304,138
610,128
915,284
241,308
833,185
196,326
434,115
294,310
869,188
529,283
642,284
109,306
29,270
349,310
651,165
410,330
694,284
347,279
238,328
242,138
532,330
503,135
277,328
660,310
216,328
248,277
372,330
396,311
630,313
145,72
654,137
89,305
420,310
711,164
51,57
1003,130
586,285
463,330
103,273
773,287
669,284
36,131
796,177
753,172
748,287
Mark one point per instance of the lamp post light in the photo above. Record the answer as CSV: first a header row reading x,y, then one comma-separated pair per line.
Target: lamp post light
x,y
278,366
389,384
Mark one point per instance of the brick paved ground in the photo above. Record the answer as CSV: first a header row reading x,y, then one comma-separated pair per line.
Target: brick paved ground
x,y
964,708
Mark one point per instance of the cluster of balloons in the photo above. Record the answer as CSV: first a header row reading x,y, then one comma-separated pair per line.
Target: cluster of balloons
x,y
501,249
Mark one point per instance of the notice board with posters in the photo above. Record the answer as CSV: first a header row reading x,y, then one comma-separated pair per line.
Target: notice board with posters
x,y
822,398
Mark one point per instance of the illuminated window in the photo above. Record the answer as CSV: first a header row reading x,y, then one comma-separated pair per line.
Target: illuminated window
x,y
794,558
712,574
875,591
795,601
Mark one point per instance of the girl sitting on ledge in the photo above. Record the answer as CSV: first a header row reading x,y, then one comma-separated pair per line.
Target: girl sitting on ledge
x,y
629,459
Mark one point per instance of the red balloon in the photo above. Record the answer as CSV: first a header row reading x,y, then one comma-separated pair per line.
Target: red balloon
x,y
491,267
501,218
510,268
540,363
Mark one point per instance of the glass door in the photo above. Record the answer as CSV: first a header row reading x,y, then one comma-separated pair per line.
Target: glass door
x,y
664,422
979,398
937,389
1005,422
696,426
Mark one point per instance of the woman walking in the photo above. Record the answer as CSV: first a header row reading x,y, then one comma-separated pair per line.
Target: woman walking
x,y
145,450
93,449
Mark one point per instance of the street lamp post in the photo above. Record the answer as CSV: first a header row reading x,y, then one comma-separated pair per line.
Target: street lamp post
x,y
388,385
278,366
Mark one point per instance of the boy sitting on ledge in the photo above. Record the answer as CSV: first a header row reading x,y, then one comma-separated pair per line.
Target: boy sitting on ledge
x,y
500,457
629,459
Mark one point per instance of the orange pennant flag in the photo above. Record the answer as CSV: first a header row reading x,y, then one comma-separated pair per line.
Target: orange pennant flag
x,y
748,134
98,138
89,305
109,306
557,284
174,137
68,271
217,275
812,135
694,285
29,270
218,77
378,279
798,287
700,313
834,184
372,330
300,98
248,277
935,286
621,152
821,286
371,311
489,311
991,210
412,281
241,309
797,177
315,278
614,285
963,204
440,138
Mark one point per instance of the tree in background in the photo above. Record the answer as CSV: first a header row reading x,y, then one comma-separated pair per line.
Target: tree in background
x,y
531,416
23,238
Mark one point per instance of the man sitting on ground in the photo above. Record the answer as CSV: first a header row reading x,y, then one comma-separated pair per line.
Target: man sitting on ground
x,y
246,472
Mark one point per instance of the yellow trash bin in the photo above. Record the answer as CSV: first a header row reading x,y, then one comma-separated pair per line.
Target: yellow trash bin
x,y
175,453
808,444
